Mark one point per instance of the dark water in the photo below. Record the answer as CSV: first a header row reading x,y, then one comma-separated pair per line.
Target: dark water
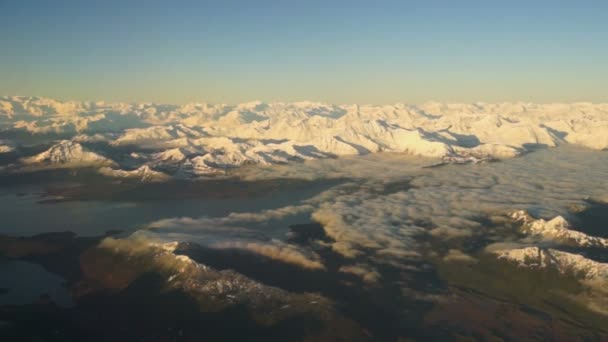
x,y
593,220
24,282
25,211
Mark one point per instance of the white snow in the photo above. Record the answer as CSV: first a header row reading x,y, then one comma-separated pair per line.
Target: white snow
x,y
556,229
269,133
67,154
544,254
143,173
564,262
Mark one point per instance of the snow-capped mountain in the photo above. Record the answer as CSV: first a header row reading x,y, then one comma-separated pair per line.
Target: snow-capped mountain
x,y
564,262
67,153
557,230
143,173
542,248
216,137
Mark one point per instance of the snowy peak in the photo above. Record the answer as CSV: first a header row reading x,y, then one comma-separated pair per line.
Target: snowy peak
x,y
564,262
67,153
557,230
541,249
174,155
228,136
38,106
144,174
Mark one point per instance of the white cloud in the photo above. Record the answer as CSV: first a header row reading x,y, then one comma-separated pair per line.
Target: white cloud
x,y
277,250
365,272
386,212
237,231
455,255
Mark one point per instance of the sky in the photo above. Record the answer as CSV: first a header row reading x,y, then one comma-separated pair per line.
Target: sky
x,y
366,52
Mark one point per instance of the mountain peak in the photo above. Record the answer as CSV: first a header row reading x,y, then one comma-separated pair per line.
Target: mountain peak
x,y
67,153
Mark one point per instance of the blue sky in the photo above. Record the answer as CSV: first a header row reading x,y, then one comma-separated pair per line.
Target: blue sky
x,y
331,51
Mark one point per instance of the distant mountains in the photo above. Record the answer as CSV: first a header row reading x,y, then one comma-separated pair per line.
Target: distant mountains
x,y
202,139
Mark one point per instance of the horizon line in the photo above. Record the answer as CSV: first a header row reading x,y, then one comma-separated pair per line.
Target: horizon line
x,y
111,102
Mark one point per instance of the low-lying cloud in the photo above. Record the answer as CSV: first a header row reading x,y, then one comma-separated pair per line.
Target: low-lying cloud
x,y
392,217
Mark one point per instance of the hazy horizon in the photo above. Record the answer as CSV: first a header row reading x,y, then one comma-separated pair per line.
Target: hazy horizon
x,y
203,101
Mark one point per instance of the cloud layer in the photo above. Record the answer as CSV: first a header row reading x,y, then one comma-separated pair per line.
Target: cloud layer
x,y
390,213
